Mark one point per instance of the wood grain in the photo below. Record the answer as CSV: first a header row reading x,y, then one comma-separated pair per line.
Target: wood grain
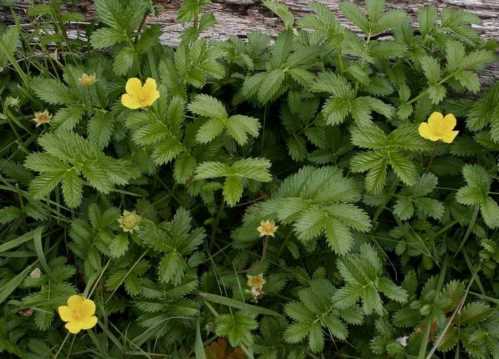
x,y
239,20
239,17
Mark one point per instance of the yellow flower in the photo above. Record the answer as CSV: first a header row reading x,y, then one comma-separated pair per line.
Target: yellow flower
x,y
42,118
129,221
256,281
138,96
78,314
439,127
87,80
267,228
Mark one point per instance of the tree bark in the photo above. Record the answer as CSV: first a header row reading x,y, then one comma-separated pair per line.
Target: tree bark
x,y
239,17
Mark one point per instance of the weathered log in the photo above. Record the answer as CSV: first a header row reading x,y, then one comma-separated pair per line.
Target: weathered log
x,y
238,20
239,17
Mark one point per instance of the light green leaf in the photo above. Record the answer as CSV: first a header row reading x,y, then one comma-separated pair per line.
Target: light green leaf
x,y
123,61
316,338
431,69
106,37
118,246
236,327
339,237
207,170
253,168
270,85
208,106
239,127
172,268
233,190
72,188
51,91
403,208
282,11
490,213
355,15
404,168
210,130
392,291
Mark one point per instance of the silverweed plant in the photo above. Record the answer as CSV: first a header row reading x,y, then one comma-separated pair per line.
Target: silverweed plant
x,y
320,194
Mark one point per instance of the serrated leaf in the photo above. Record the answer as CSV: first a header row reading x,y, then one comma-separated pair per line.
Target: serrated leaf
x,y
431,69
316,338
270,85
210,130
404,168
72,188
233,190
427,18
51,91
403,208
253,168
8,40
123,61
240,127
235,327
208,106
392,291
100,128
339,237
437,93
208,170
469,80
172,268
118,246
354,14
106,37
490,213
282,11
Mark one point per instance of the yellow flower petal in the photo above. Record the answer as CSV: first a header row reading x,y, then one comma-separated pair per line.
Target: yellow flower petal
x,y
149,86
133,87
426,132
267,228
130,102
449,122
152,98
87,308
449,137
88,323
149,92
75,301
73,327
65,313
435,119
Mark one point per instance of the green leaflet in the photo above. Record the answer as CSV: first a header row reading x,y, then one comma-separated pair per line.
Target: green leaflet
x,y
381,243
69,156
256,169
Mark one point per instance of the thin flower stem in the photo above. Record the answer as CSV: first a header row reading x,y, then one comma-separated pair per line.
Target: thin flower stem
x,y
424,92
429,321
468,230
122,280
61,346
99,278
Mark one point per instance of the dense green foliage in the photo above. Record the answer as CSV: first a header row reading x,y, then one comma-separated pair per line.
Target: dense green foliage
x,y
386,245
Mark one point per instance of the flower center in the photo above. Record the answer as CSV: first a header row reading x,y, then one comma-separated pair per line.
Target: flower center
x,y
268,227
143,98
77,314
129,221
